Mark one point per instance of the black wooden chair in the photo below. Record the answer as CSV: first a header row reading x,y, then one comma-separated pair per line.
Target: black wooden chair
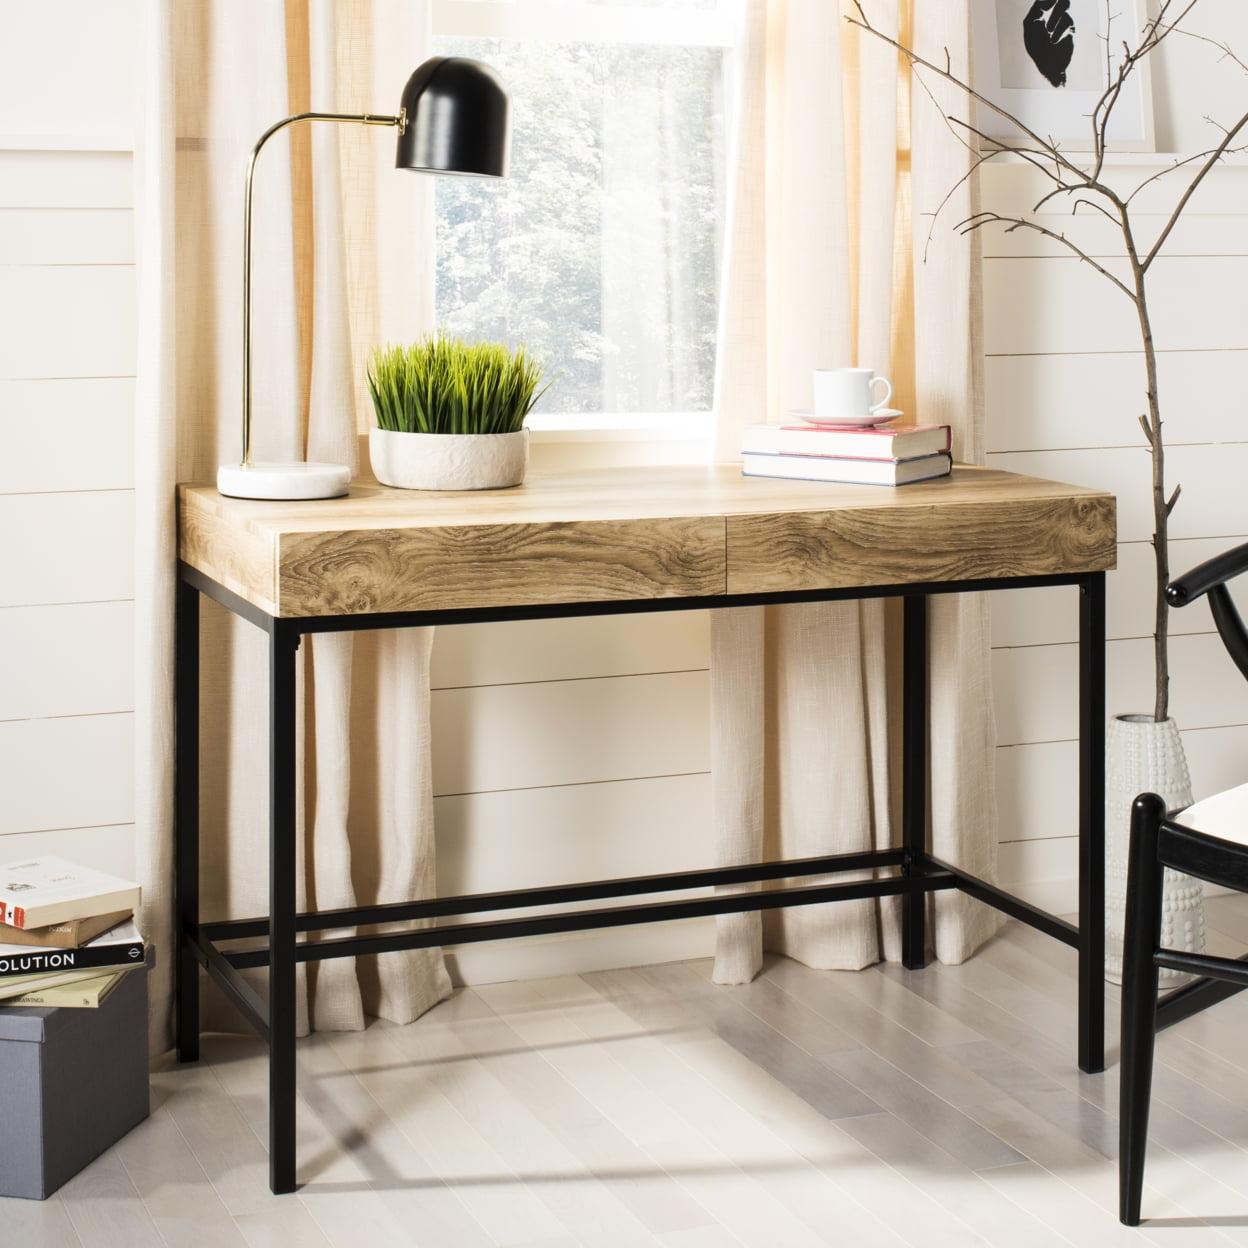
x,y
1194,847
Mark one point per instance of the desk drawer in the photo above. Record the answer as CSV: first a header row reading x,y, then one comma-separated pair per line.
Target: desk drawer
x,y
901,545
493,565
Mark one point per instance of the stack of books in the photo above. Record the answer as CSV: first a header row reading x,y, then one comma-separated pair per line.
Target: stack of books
x,y
871,456
67,933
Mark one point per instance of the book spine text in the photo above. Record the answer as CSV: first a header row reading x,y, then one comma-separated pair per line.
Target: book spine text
x,y
39,961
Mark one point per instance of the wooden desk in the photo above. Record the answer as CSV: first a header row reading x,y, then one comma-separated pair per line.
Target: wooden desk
x,y
611,542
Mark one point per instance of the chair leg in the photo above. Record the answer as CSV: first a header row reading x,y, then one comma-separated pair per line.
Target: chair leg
x,y
1139,1001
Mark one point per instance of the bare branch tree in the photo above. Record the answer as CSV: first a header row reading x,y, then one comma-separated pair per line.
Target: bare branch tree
x,y
1083,183
1214,156
1228,53
1178,163
981,219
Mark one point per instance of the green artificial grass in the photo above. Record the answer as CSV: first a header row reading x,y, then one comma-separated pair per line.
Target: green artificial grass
x,y
446,385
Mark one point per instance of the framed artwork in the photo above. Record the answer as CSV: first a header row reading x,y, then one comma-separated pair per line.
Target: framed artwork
x,y
1044,61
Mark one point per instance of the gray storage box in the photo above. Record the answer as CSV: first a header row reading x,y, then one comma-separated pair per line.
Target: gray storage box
x,y
72,1082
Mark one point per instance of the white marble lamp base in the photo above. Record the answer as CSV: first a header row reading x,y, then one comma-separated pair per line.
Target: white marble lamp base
x,y
283,481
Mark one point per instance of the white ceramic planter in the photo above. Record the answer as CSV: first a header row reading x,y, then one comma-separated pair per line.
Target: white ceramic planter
x,y
448,461
1143,756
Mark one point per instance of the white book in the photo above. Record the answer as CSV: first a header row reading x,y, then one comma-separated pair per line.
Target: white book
x,y
848,471
37,892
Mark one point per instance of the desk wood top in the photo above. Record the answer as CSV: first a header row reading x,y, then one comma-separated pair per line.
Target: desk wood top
x,y
635,533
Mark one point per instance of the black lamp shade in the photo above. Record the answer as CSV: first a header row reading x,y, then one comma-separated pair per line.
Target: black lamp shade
x,y
457,119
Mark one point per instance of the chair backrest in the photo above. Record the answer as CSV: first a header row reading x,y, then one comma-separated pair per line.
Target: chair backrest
x,y
1230,627
1210,578
1207,857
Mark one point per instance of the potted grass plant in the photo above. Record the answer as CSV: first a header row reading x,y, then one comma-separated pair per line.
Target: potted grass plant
x,y
450,414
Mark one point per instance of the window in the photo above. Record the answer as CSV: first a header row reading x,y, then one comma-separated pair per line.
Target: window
x,y
601,252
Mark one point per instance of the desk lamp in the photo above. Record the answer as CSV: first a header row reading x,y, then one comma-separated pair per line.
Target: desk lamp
x,y
453,118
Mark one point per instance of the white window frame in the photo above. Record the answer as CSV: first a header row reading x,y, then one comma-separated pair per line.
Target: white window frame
x,y
573,21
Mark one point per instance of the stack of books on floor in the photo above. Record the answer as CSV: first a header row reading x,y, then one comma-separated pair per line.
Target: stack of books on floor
x,y
870,456
67,933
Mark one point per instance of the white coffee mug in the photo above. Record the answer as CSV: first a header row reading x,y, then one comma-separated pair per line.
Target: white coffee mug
x,y
847,392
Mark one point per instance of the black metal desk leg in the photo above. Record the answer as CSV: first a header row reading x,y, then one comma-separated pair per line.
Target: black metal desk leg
x,y
186,817
1092,823
283,645
914,777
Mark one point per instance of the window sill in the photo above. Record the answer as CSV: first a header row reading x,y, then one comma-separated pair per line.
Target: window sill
x,y
601,427
575,442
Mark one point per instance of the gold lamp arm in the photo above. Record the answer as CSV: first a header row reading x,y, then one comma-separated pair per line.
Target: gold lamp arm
x,y
366,119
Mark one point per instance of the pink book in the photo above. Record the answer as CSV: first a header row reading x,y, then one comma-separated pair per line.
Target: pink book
x,y
892,443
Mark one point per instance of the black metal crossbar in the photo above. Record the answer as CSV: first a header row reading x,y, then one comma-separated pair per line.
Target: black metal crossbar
x,y
926,875
571,610
1015,907
562,894
590,920
231,982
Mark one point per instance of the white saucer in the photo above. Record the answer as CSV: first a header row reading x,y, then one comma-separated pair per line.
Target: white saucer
x,y
865,421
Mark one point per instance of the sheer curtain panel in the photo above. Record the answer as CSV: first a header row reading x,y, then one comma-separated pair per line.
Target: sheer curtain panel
x,y
839,160
343,260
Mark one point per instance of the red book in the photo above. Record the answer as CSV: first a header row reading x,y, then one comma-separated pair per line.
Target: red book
x,y
894,442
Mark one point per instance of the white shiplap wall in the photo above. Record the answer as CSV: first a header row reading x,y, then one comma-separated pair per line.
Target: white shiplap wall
x,y
578,748
571,750
66,513
66,431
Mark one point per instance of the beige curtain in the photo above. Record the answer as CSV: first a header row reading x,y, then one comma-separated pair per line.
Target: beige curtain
x,y
343,259
839,161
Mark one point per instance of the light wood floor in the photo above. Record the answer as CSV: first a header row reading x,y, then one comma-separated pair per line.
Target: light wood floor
x,y
647,1107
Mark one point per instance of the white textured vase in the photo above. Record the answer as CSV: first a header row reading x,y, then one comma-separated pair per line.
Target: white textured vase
x,y
448,461
1144,756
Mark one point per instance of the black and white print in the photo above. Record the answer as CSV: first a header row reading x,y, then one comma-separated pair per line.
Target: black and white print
x,y
1044,61
1049,42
